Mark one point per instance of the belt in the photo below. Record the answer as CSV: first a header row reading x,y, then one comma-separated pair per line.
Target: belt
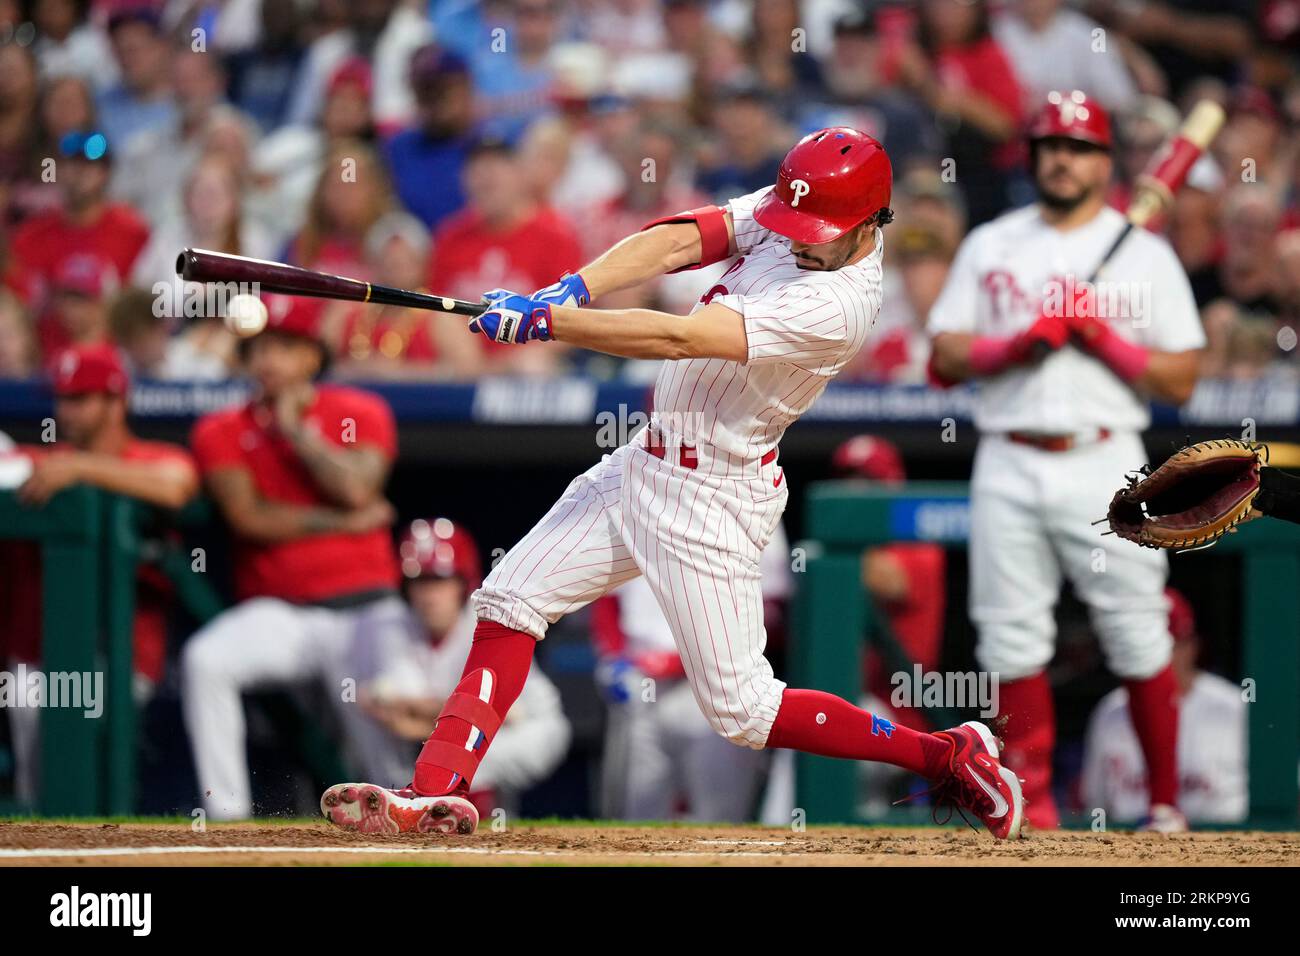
x,y
686,456
1053,442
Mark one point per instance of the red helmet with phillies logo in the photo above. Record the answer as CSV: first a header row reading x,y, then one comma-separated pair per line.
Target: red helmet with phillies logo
x,y
1072,115
832,180
439,548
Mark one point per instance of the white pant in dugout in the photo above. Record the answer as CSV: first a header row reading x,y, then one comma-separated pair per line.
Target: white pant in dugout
x,y
266,642
1032,514
696,539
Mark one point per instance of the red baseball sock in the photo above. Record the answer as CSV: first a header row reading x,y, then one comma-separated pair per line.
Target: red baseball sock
x,y
1153,708
1029,737
507,654
820,723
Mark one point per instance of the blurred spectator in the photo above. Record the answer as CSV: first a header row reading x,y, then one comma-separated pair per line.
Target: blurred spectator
x,y
384,33
83,284
1250,143
298,474
203,351
18,111
66,45
155,164
1052,46
392,342
1286,292
661,760
141,335
263,77
625,26
411,670
513,77
95,447
859,80
779,57
1252,216
750,145
504,239
286,165
427,157
351,195
17,338
961,73
88,226
897,349
66,106
210,216
1212,770
1187,38
142,100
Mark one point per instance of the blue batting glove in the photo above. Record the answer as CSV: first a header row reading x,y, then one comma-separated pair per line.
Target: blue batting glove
x,y
570,291
513,318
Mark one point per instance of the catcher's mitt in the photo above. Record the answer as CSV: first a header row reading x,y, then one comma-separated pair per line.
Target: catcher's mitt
x,y
1196,497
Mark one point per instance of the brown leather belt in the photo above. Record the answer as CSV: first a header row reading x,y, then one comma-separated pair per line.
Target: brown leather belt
x,y
1053,442
686,456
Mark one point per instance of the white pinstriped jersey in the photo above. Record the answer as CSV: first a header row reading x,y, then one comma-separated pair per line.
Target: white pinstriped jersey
x,y
802,328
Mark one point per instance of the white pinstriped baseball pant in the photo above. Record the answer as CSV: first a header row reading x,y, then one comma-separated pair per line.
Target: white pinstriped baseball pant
x,y
696,538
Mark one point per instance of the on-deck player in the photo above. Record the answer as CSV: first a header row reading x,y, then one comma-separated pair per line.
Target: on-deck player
x,y
1060,412
693,499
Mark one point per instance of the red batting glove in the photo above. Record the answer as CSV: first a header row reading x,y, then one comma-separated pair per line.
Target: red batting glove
x,y
989,356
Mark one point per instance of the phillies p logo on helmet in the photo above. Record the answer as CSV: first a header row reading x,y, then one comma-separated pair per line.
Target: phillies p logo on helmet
x,y
800,188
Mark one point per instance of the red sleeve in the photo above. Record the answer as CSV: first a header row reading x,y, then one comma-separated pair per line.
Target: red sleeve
x,y
213,444
372,421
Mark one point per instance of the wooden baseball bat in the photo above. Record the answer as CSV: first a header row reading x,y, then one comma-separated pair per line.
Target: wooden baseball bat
x,y
204,265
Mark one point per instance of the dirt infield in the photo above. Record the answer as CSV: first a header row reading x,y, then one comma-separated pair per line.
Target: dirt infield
x,y
28,843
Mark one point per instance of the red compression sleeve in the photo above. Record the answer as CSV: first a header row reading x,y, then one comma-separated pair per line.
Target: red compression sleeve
x,y
1126,359
715,245
989,355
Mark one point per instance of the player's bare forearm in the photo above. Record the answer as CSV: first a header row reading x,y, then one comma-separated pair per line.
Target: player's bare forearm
x,y
1171,376
167,484
643,256
715,331
351,477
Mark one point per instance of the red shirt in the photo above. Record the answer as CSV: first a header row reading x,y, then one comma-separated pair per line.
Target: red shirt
x,y
42,242
316,567
469,258
21,594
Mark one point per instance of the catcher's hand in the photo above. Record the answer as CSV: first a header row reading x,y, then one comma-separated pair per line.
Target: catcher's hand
x,y
1196,497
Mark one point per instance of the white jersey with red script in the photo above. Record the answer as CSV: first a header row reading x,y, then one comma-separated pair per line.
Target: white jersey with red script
x,y
802,328
1211,756
997,285
695,497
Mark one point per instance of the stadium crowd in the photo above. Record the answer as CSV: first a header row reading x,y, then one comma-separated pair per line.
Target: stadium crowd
x,y
463,146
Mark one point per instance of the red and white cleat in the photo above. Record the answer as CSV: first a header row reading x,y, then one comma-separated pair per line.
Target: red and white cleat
x,y
367,808
977,781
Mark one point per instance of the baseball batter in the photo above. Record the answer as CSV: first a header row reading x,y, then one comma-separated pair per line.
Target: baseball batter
x,y
693,499
1063,369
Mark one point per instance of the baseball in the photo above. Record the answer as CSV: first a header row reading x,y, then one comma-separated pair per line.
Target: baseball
x,y
245,315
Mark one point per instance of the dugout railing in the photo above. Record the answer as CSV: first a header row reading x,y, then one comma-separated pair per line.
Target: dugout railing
x,y
834,616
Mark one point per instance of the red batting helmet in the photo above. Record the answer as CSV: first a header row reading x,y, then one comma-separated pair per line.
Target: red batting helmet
x,y
865,456
1072,115
831,181
439,548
